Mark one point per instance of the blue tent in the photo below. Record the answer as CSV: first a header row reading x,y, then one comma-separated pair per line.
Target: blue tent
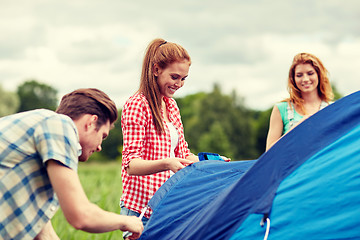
x,y
307,186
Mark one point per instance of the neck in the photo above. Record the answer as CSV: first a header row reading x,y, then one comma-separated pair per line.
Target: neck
x,y
312,102
312,97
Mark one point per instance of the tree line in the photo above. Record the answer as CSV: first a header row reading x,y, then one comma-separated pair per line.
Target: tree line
x,y
213,121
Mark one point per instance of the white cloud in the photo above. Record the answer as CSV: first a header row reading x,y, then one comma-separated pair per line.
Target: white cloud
x,y
243,45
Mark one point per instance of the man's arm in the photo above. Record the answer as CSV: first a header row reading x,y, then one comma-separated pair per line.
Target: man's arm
x,y
77,209
47,233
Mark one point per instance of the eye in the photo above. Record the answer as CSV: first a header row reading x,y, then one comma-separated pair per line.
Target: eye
x,y
183,79
310,73
174,77
299,75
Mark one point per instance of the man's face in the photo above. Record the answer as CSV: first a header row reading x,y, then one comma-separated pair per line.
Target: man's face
x,y
92,139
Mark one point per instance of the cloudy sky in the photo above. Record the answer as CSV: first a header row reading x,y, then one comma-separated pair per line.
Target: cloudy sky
x,y
244,45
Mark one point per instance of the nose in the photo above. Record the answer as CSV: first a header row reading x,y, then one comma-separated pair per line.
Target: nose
x,y
98,149
179,83
306,77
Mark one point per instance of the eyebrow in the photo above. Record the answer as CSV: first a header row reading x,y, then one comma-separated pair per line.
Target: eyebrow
x,y
312,70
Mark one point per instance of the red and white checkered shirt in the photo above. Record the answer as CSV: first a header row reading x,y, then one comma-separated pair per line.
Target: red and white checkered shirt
x,y
141,140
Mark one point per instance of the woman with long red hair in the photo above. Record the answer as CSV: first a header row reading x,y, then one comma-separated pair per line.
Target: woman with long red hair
x,y
154,144
310,91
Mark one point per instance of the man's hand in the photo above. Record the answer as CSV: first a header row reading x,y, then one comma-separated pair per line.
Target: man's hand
x,y
134,225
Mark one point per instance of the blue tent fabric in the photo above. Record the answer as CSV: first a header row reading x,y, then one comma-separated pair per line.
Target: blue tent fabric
x,y
210,178
325,193
308,184
209,171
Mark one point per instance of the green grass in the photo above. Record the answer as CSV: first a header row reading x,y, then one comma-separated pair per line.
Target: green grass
x,y
102,184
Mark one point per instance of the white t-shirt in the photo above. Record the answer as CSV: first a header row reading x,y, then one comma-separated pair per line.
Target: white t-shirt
x,y
174,136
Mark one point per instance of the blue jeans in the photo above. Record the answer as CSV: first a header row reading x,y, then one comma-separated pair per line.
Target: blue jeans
x,y
127,212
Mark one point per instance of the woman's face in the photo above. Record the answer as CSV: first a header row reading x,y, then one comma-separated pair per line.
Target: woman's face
x,y
306,78
171,78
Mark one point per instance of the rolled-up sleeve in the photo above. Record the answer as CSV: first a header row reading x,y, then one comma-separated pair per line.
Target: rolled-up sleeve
x,y
133,124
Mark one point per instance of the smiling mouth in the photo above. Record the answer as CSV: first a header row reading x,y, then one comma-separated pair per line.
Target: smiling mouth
x,y
307,85
173,89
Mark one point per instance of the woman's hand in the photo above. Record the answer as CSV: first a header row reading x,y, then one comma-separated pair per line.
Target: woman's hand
x,y
176,164
226,159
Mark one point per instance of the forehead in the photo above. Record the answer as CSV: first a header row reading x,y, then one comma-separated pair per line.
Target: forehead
x,y
179,66
304,67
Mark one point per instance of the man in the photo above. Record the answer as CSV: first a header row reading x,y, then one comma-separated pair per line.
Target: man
x,y
39,154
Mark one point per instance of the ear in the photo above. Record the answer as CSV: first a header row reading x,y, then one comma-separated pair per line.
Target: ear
x,y
91,121
156,70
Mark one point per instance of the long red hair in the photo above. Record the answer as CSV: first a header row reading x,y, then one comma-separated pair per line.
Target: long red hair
x,y
161,53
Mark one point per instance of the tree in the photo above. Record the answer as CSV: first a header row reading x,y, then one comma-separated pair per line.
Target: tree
x,y
112,144
216,122
9,102
262,120
190,107
219,144
34,95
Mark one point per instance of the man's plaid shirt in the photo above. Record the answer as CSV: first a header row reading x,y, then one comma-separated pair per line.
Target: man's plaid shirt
x,y
27,141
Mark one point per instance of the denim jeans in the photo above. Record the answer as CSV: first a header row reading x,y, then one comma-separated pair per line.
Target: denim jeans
x,y
127,212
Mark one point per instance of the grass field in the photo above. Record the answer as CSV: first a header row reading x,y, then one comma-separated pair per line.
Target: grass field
x,y
102,184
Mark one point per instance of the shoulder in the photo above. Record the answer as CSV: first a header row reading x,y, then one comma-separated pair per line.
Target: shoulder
x,y
56,118
137,100
56,124
325,104
282,106
136,108
44,122
33,118
46,114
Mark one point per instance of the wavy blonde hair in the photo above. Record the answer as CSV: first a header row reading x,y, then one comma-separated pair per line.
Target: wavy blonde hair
x,y
324,87
161,53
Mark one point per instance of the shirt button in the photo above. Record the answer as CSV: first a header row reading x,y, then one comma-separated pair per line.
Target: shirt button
x,y
52,208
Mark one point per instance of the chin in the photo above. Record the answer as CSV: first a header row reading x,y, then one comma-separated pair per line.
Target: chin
x,y
83,158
